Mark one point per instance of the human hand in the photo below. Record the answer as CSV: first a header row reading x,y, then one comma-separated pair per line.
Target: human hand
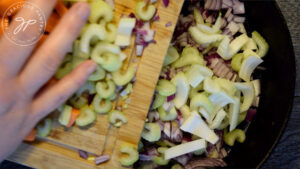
x,y
24,70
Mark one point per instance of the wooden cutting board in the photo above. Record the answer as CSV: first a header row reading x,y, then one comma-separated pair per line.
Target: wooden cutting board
x,y
59,150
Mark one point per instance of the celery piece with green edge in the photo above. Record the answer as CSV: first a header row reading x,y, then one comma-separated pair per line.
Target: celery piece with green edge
x,y
108,56
159,100
93,30
182,89
235,135
121,78
234,111
87,87
249,52
101,12
250,45
167,116
132,155
218,119
204,38
185,110
111,32
86,117
145,12
160,160
226,85
63,70
65,115
78,101
44,128
197,73
210,86
263,46
100,105
189,56
196,90
237,44
223,48
248,67
105,89
248,92
237,61
99,74
201,100
172,55
198,17
117,118
165,88
219,100
151,132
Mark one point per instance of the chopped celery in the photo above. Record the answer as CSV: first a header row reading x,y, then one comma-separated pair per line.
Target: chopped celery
x,y
93,30
224,124
234,111
250,45
101,107
242,117
226,85
117,118
99,74
203,38
151,132
248,67
44,129
198,17
182,89
263,46
237,44
256,85
176,166
201,100
218,119
158,101
86,117
63,70
172,55
219,100
145,12
160,160
195,125
223,49
125,28
197,73
196,90
78,101
167,116
205,28
189,56
111,31
88,86
132,155
235,135
185,148
77,61
101,12
248,53
210,86
165,88
185,110
107,55
237,61
105,89
65,115
122,79
248,92
218,24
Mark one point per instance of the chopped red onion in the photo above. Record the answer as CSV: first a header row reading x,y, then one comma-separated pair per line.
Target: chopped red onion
x,y
183,159
238,7
170,98
144,157
83,154
233,27
227,4
167,129
169,24
152,151
224,23
161,125
132,15
166,3
230,17
250,114
101,159
229,10
239,19
139,50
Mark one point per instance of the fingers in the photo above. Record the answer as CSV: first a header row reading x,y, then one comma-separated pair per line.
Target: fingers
x,y
48,57
56,95
15,52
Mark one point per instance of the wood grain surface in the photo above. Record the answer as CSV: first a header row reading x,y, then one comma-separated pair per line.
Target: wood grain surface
x,y
286,155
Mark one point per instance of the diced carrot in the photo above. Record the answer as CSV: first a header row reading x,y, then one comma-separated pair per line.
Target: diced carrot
x,y
52,22
5,4
31,136
74,115
61,8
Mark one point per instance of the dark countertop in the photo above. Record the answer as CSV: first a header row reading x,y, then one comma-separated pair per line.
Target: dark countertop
x,y
286,155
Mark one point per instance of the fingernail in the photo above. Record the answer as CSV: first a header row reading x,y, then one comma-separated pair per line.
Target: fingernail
x,y
91,67
83,10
